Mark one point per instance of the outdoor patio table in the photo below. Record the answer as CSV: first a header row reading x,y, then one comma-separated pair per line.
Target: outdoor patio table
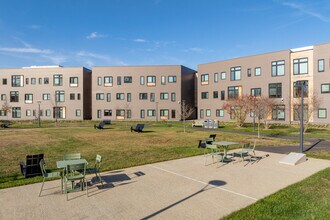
x,y
225,145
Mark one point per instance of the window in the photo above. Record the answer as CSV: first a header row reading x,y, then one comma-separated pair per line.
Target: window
x,y
278,68
208,112
3,97
46,96
120,96
201,113
152,97
205,95
215,94
107,81
16,81
142,113
129,97
73,81
28,112
78,96
4,81
171,79
223,75
173,113
296,112
28,98
297,89
216,77
320,65
163,80
107,112
39,81
34,113
47,112
235,73
129,113
151,80
278,113
120,113
249,72
233,92
257,71
119,80
14,96
205,79
256,91
72,96
223,93
26,81
141,80
99,81
275,90
57,80
322,113
300,66
3,113
46,80
325,88
108,97
143,96
59,96
164,114
78,112
164,96
128,79
219,113
151,112
173,96
99,113
33,81
16,112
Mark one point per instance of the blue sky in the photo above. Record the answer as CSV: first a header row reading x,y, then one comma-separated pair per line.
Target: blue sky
x,y
148,32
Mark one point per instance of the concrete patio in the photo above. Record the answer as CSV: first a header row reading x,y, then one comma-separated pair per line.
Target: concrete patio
x,y
177,189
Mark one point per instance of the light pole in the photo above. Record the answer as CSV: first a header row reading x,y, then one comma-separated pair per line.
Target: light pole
x,y
301,84
39,102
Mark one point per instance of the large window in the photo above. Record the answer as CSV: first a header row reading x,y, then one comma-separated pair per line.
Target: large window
x,y
233,92
171,79
108,81
151,112
164,96
296,112
73,81
219,113
120,113
128,79
235,73
143,96
164,113
99,96
16,112
14,96
275,90
205,79
59,112
59,96
204,95
216,77
300,66
278,68
107,112
46,96
208,112
28,98
322,113
16,81
151,80
57,80
256,91
120,96
297,88
325,88
278,113
320,65
257,71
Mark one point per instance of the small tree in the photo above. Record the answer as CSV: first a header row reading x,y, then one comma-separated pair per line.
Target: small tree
x,y
239,108
186,112
6,108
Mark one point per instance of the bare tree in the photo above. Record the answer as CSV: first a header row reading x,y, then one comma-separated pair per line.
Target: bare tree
x,y
6,108
186,112
311,104
239,108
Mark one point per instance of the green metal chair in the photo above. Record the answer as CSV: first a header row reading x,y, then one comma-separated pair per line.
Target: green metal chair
x,y
211,150
75,172
48,175
76,156
246,151
96,168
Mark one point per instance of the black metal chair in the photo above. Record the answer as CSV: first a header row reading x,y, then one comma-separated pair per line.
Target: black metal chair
x,y
138,128
100,126
32,166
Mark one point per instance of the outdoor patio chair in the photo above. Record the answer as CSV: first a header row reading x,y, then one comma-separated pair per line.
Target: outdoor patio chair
x,y
212,136
75,156
211,150
138,128
48,175
75,172
246,151
100,126
209,140
32,166
202,144
96,168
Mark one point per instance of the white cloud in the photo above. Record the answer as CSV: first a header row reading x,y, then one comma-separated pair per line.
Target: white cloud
x,y
109,60
140,40
95,35
306,11
24,50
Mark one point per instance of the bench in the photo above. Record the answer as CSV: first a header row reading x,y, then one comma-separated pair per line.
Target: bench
x,y
102,123
138,128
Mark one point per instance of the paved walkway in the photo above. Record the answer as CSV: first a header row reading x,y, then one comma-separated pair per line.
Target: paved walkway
x,y
177,189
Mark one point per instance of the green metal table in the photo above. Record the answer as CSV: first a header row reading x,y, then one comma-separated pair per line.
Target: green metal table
x,y
225,145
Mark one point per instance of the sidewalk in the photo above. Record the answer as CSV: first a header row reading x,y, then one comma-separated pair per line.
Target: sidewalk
x,y
177,189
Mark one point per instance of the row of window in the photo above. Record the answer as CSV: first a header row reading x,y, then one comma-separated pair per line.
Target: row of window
x,y
28,98
300,66
18,81
150,80
142,96
58,112
127,113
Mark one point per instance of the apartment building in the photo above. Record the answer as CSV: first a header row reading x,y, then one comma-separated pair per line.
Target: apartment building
x,y
272,74
58,92
141,92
